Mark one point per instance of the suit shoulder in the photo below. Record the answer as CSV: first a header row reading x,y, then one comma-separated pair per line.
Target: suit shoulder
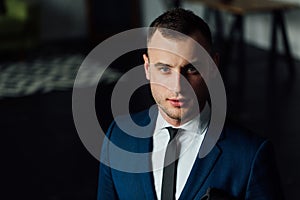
x,y
142,118
132,132
241,139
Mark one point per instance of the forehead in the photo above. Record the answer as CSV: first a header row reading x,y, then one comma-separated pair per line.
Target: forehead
x,y
189,48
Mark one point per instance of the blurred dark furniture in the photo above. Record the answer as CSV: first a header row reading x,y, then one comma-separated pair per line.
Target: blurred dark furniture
x,y
19,25
2,7
239,9
106,18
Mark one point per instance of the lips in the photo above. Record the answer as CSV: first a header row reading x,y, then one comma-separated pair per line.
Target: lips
x,y
177,102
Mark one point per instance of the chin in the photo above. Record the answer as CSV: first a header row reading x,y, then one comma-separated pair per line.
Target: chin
x,y
178,115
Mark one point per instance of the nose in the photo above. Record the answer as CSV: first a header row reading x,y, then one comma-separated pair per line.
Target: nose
x,y
177,82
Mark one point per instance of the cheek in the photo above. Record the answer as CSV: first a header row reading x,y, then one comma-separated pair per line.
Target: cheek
x,y
157,89
198,86
202,91
159,92
160,82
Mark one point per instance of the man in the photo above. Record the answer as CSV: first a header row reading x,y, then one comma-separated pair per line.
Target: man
x,y
240,166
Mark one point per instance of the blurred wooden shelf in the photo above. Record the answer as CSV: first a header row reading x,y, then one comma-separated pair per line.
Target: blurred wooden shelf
x,y
242,7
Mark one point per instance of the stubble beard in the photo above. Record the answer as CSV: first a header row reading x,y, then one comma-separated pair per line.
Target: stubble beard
x,y
175,115
178,114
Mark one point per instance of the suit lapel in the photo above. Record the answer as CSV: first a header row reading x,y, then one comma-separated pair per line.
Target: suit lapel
x,y
148,185
147,177
200,171
146,145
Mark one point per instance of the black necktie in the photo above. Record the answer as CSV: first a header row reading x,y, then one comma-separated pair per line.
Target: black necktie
x,y
170,171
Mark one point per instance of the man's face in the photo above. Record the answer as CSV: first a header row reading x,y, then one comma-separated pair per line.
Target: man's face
x,y
177,87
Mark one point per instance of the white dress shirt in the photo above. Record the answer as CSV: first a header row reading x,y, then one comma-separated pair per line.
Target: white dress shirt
x,y
189,139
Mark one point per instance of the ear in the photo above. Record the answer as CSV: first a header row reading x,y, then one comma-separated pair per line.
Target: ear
x,y
146,66
216,59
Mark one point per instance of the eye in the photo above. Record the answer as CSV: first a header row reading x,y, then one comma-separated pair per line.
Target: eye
x,y
164,69
191,70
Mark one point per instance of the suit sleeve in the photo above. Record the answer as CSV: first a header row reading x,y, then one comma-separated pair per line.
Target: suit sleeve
x,y
106,188
264,182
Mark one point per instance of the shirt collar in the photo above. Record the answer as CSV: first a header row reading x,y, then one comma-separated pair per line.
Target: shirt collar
x,y
197,125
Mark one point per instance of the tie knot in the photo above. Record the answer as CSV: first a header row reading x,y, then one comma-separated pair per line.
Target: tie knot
x,y
172,132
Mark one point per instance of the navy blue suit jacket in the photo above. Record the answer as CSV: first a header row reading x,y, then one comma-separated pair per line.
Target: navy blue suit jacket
x,y
240,164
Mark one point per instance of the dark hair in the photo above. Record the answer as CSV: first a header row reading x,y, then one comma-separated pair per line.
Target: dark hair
x,y
183,21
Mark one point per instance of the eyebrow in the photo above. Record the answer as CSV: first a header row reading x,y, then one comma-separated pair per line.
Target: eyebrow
x,y
159,64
